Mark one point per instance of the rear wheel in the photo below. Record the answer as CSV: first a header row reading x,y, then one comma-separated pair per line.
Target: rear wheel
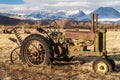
x,y
36,51
102,65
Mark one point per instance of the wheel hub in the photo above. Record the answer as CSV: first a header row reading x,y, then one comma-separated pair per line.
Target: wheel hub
x,y
101,67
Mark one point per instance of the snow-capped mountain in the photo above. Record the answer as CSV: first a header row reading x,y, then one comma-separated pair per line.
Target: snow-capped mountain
x,y
36,15
47,15
58,15
107,12
80,15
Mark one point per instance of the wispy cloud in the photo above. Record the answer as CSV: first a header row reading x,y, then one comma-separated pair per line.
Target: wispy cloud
x,y
86,5
72,4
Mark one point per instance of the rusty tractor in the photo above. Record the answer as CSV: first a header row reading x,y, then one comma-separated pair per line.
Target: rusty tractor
x,y
55,43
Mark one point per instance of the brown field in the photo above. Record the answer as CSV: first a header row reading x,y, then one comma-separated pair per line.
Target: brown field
x,y
77,70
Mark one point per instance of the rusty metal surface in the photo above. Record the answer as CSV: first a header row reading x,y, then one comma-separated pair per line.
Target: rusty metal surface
x,y
85,35
94,22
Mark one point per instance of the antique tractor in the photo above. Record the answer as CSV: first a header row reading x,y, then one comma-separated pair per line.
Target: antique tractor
x,y
55,43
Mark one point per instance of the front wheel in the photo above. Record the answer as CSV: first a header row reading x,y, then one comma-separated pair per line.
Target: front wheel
x,y
102,65
36,51
15,55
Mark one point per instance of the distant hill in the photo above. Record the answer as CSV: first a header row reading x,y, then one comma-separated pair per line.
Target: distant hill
x,y
4,20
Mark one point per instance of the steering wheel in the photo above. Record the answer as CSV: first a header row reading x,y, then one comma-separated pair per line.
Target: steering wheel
x,y
53,26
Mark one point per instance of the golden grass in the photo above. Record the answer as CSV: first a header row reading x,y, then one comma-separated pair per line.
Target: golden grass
x,y
61,71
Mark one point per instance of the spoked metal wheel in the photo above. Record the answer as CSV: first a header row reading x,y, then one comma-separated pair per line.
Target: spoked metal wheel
x,y
102,65
15,55
35,50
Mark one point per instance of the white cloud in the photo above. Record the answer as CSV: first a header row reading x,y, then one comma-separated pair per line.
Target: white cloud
x,y
110,3
68,4
74,4
85,5
18,8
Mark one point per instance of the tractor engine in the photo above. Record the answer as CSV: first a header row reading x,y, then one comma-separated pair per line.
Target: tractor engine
x,y
68,47
76,46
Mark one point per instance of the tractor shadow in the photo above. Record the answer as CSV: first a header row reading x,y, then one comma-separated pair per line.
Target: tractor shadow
x,y
116,57
74,61
87,59
117,68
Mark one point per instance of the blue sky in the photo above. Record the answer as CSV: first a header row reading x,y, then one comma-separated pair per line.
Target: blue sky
x,y
11,2
85,5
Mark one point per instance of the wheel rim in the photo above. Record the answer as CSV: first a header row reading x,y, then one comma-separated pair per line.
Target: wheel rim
x,y
102,67
15,55
35,53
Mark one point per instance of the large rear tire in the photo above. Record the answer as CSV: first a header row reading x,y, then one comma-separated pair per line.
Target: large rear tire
x,y
36,51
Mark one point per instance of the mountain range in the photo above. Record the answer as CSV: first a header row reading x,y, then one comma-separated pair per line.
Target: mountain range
x,y
105,14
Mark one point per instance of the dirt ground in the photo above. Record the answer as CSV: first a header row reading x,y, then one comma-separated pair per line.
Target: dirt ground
x,y
74,70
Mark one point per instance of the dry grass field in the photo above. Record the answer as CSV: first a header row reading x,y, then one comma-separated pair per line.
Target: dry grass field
x,y
77,70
